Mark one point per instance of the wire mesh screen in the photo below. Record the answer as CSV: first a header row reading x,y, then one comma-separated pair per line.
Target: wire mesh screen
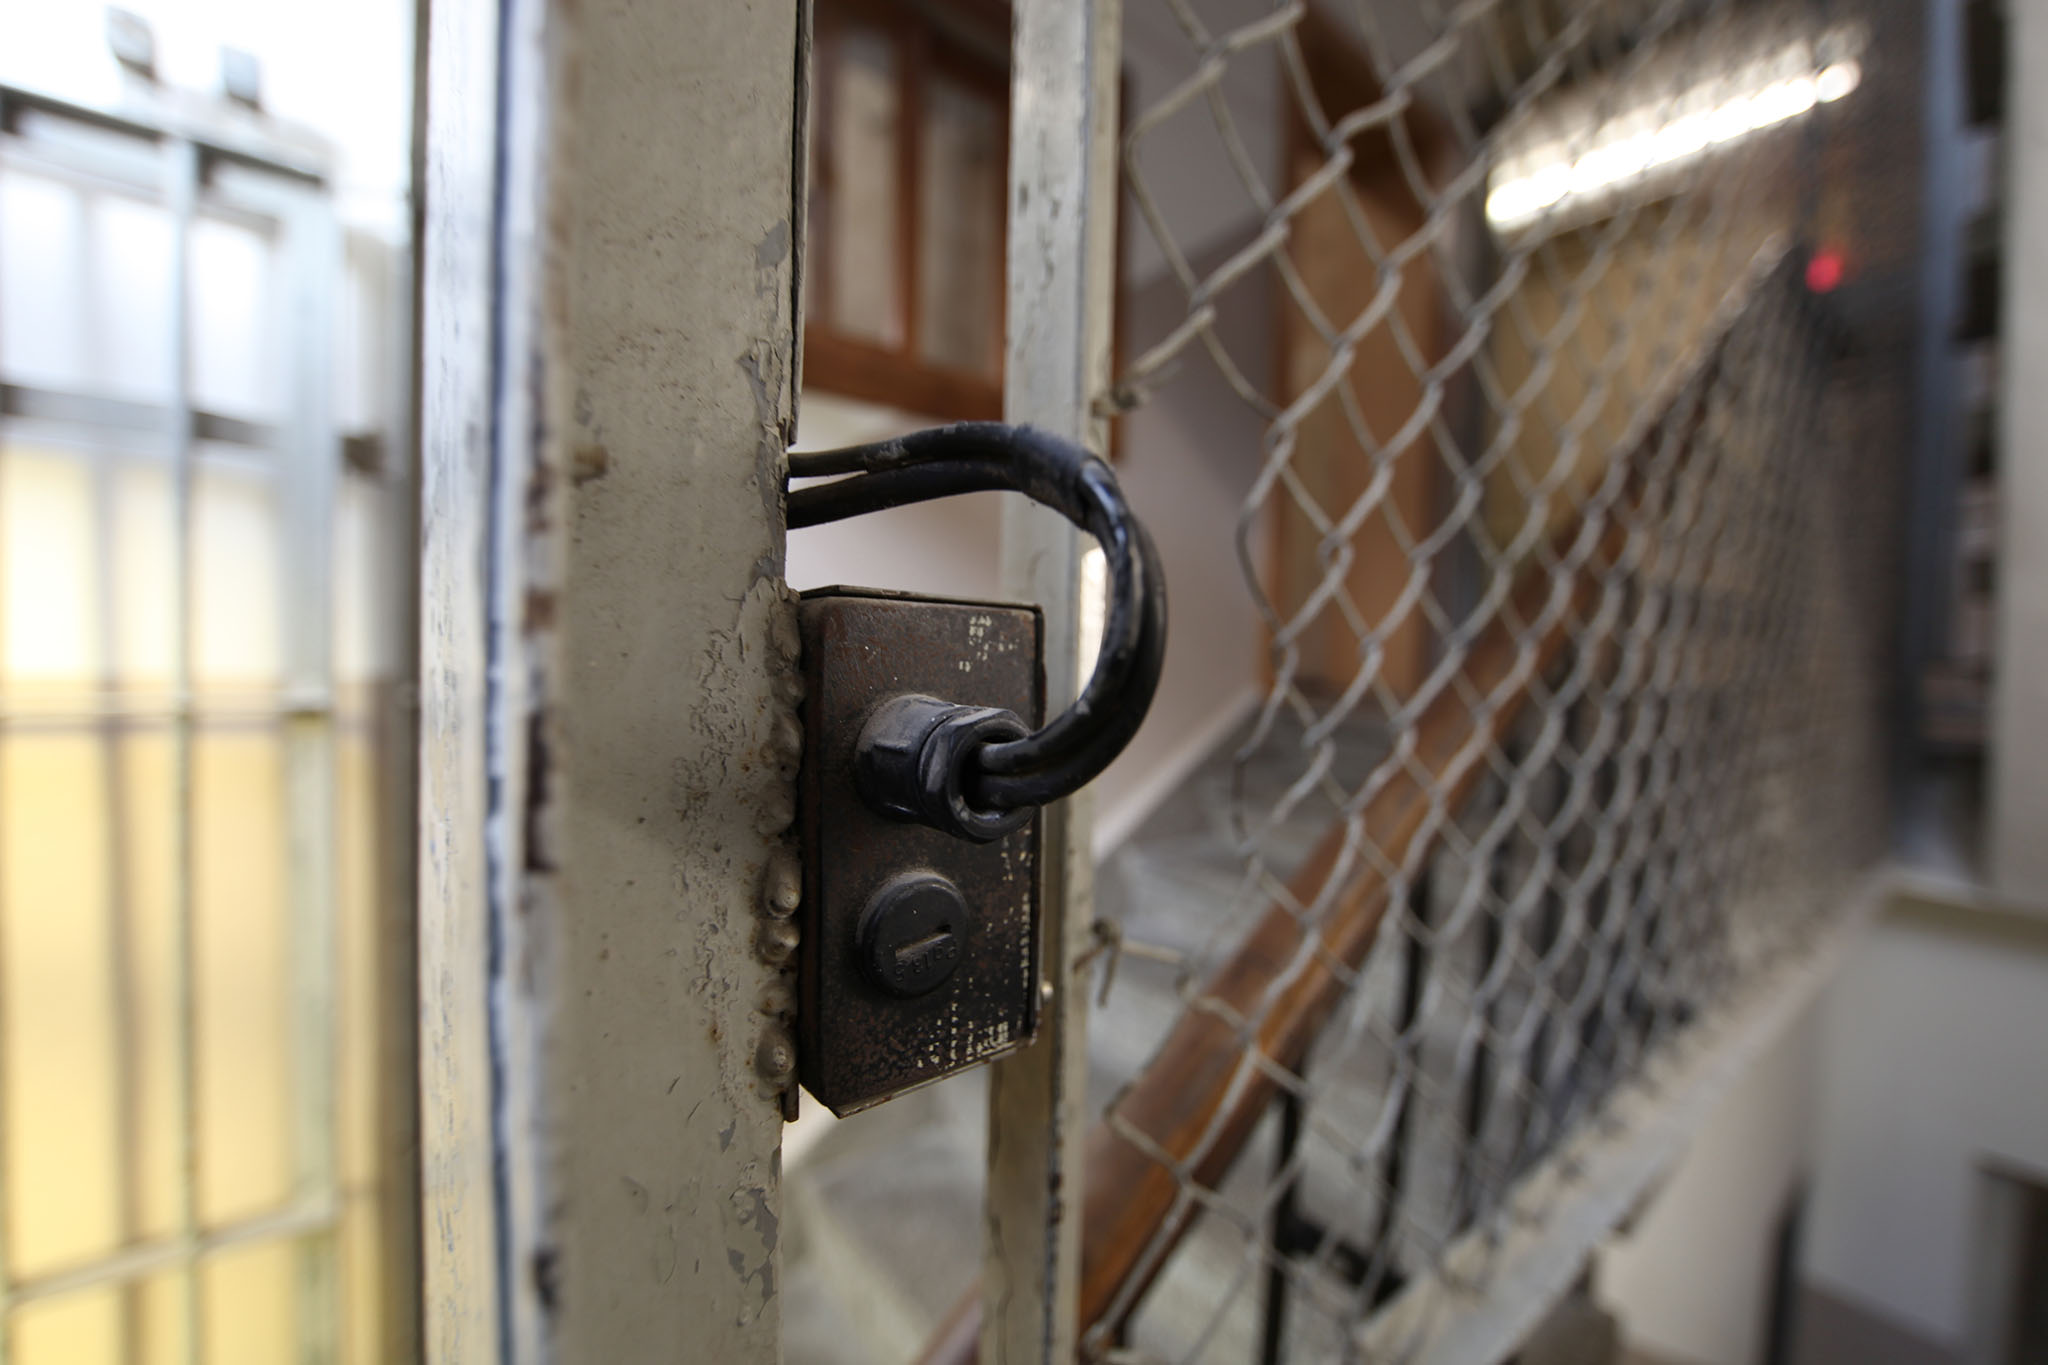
x,y
1567,569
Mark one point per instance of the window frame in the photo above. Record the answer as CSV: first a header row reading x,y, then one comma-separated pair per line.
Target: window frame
x,y
964,45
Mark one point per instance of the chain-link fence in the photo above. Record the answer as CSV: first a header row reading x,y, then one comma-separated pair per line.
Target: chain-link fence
x,y
1572,728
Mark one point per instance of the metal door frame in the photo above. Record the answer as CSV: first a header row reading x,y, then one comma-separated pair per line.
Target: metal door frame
x,y
609,376
1061,285
608,667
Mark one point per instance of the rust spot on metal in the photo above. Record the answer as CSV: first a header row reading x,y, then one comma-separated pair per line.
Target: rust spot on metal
x,y
547,1278
539,611
776,811
777,941
777,999
589,461
540,772
540,490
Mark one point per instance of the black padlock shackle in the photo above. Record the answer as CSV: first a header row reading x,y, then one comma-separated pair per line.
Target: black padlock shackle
x,y
972,457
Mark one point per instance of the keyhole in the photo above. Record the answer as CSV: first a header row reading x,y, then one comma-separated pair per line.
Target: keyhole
x,y
910,952
907,943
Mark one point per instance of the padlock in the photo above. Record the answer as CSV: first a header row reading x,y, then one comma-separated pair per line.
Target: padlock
x,y
926,760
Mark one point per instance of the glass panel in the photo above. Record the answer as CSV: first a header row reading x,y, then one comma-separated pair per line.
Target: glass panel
x,y
78,1329
160,1307
960,200
129,313
147,832
48,620
237,332
865,291
145,577
86,274
236,568
250,1300
243,979
42,280
58,1001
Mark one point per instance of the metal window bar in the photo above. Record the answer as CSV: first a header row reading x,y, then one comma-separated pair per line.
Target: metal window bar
x,y
1628,773
191,169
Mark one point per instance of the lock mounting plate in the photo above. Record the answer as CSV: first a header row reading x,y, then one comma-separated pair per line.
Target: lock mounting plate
x,y
918,956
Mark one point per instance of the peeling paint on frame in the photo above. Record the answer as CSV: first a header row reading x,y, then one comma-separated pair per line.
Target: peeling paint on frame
x,y
610,654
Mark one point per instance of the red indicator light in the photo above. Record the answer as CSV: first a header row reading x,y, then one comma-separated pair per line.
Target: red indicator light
x,y
1824,270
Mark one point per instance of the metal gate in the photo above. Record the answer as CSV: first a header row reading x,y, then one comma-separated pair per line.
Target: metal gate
x,y
1569,757
1566,762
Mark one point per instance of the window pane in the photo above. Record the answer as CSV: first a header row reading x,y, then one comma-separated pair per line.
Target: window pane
x,y
244,977
86,1328
236,647
863,274
129,320
51,588
145,577
148,793
78,1329
250,1301
42,280
960,228
86,275
161,1304
58,1001
237,333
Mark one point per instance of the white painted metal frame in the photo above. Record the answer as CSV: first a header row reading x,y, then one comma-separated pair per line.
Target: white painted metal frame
x,y
2018,781
609,741
1062,269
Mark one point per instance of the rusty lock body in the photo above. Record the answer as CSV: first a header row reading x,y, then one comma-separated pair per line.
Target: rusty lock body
x,y
918,955
927,757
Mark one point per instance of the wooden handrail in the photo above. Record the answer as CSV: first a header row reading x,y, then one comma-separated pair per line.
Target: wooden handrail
x,y
1191,1104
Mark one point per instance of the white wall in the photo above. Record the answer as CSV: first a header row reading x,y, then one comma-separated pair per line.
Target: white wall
x,y
1690,1280
1926,1061
1185,162
1188,457
946,548
1936,1061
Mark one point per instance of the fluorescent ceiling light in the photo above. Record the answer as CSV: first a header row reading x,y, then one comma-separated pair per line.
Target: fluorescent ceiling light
x,y
1668,133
